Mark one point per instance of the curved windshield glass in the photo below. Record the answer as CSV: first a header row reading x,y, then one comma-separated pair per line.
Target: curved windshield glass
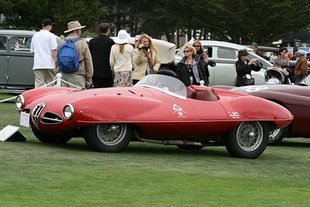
x,y
164,83
305,81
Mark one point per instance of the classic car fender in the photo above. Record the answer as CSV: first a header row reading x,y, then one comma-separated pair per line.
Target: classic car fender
x,y
254,108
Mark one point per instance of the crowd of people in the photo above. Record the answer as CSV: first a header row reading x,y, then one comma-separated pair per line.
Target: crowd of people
x,y
296,74
104,62
100,63
280,61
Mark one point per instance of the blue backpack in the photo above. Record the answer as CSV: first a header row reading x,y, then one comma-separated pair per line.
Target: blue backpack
x,y
68,60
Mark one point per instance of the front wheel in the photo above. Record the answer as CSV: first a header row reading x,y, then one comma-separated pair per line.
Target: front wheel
x,y
108,137
248,140
47,138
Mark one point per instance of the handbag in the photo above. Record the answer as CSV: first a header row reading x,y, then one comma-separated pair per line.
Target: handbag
x,y
247,81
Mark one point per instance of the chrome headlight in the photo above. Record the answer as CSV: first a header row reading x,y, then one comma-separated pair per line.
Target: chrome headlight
x,y
68,111
19,102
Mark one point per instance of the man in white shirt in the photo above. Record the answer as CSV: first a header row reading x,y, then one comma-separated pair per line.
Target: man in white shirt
x,y
44,46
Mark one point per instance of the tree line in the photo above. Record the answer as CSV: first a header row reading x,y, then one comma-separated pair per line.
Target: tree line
x,y
238,21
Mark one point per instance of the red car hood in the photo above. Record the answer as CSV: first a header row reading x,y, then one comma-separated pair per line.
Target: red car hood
x,y
68,95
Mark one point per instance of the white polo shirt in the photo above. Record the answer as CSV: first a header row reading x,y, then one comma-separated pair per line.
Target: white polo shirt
x,y
42,44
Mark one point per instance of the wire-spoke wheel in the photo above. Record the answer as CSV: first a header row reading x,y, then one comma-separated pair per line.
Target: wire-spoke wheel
x,y
108,137
247,140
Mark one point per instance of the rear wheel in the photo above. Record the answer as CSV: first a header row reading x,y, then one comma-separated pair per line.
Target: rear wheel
x,y
47,138
108,137
248,140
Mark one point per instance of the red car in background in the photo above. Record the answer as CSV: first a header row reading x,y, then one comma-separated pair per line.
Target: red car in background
x,y
158,109
296,98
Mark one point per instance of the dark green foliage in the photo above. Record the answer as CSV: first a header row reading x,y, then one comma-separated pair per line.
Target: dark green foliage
x,y
239,21
28,14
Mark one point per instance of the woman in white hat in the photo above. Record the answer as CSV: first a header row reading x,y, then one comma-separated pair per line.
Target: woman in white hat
x,y
121,60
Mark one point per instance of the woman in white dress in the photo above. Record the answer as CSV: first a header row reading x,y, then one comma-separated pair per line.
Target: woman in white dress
x,y
121,60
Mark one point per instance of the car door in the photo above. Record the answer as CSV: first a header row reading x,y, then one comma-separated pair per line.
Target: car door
x,y
209,110
224,73
20,61
3,59
213,116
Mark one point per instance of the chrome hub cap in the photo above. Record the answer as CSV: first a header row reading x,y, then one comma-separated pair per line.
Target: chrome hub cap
x,y
111,134
249,136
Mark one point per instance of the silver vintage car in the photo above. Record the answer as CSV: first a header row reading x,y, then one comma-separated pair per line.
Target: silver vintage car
x,y
16,60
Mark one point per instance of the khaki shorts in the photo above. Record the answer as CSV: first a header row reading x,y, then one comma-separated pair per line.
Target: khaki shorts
x,y
44,77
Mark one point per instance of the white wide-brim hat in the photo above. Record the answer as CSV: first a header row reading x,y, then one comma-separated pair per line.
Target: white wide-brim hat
x,y
74,25
122,37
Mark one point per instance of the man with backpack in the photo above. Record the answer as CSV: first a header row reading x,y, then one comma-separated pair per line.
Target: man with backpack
x,y
74,58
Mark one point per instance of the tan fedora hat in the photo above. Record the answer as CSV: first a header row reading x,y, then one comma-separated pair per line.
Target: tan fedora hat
x,y
74,25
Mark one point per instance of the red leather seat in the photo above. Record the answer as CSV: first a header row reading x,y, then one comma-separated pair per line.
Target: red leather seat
x,y
206,95
191,93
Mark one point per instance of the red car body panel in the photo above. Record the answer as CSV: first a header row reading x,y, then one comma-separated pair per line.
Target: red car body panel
x,y
154,114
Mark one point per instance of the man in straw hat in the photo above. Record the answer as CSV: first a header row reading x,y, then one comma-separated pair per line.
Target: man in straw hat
x,y
83,77
43,46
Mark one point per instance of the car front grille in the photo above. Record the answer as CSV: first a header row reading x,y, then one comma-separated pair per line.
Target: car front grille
x,y
36,113
51,118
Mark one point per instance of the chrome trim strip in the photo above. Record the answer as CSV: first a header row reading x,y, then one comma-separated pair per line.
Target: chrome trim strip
x,y
36,113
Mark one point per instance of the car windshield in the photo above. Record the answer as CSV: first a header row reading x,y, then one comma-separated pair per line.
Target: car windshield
x,y
164,83
305,81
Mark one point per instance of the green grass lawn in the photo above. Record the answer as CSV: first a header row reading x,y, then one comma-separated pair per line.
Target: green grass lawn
x,y
37,174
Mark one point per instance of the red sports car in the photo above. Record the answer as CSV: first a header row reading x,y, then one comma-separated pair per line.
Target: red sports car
x,y
296,98
158,109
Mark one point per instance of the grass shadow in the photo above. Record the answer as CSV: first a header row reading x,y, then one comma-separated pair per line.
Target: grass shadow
x,y
71,145
138,148
156,149
295,142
